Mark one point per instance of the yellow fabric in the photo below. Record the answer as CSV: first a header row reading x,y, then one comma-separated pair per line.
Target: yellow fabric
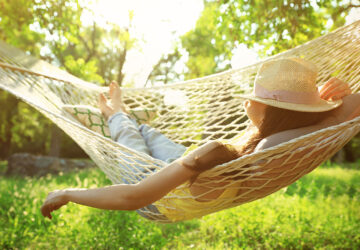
x,y
189,208
186,206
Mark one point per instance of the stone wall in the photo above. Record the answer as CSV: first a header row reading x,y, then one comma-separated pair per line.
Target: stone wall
x,y
26,164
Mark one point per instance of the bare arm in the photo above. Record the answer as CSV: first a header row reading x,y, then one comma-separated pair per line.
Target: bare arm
x,y
131,197
347,111
288,135
121,196
153,188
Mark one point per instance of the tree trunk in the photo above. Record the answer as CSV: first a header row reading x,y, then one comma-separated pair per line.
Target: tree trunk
x,y
55,143
122,59
349,154
9,108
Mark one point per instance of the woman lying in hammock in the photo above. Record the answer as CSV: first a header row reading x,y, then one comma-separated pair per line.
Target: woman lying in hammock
x,y
286,104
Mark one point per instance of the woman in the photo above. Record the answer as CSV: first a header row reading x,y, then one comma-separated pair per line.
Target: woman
x,y
285,104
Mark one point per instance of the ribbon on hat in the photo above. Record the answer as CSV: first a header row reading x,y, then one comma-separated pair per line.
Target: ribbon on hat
x,y
287,96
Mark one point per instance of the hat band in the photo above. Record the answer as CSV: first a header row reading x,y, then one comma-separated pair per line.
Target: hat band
x,y
287,95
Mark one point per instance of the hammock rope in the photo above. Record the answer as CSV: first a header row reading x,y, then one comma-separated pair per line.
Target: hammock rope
x,y
209,110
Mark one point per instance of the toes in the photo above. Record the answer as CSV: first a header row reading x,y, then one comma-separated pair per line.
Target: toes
x,y
115,91
111,89
102,102
102,98
105,109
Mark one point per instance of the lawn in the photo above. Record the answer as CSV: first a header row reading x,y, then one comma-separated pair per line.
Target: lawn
x,y
322,210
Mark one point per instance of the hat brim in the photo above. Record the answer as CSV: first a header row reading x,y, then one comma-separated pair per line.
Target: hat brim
x,y
321,106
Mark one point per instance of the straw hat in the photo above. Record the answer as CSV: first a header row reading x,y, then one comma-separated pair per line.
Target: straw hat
x,y
289,84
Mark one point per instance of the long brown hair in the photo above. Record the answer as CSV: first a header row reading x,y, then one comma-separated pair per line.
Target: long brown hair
x,y
277,120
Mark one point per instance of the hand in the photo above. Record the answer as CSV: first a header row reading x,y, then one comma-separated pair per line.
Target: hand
x,y
334,89
54,201
115,104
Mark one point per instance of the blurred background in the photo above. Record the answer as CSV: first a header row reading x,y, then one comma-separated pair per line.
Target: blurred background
x,y
144,43
148,43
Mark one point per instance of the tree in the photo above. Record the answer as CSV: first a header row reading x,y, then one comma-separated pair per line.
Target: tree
x,y
163,71
204,56
16,18
94,53
266,25
280,25
53,30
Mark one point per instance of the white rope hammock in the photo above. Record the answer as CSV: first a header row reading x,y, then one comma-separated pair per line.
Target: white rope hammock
x,y
210,110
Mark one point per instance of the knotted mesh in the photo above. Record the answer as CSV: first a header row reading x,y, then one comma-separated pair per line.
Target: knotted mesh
x,y
208,108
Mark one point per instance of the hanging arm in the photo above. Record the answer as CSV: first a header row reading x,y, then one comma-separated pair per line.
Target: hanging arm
x,y
121,196
149,190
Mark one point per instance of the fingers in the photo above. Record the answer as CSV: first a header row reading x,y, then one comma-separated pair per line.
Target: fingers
x,y
47,208
330,85
54,201
334,89
336,92
339,95
46,211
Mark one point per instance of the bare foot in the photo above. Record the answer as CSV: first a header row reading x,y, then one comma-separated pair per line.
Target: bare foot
x,y
115,104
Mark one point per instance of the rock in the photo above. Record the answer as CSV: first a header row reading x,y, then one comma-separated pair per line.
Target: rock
x,y
26,164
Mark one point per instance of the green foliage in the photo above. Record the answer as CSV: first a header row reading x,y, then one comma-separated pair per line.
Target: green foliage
x,y
353,144
320,210
277,26
162,72
3,167
27,134
207,50
16,18
6,124
24,129
85,69
269,26
92,52
54,31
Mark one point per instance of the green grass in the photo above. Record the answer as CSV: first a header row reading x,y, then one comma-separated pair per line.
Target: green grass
x,y
322,210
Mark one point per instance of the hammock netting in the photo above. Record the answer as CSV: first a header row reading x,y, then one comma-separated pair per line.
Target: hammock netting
x,y
209,110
